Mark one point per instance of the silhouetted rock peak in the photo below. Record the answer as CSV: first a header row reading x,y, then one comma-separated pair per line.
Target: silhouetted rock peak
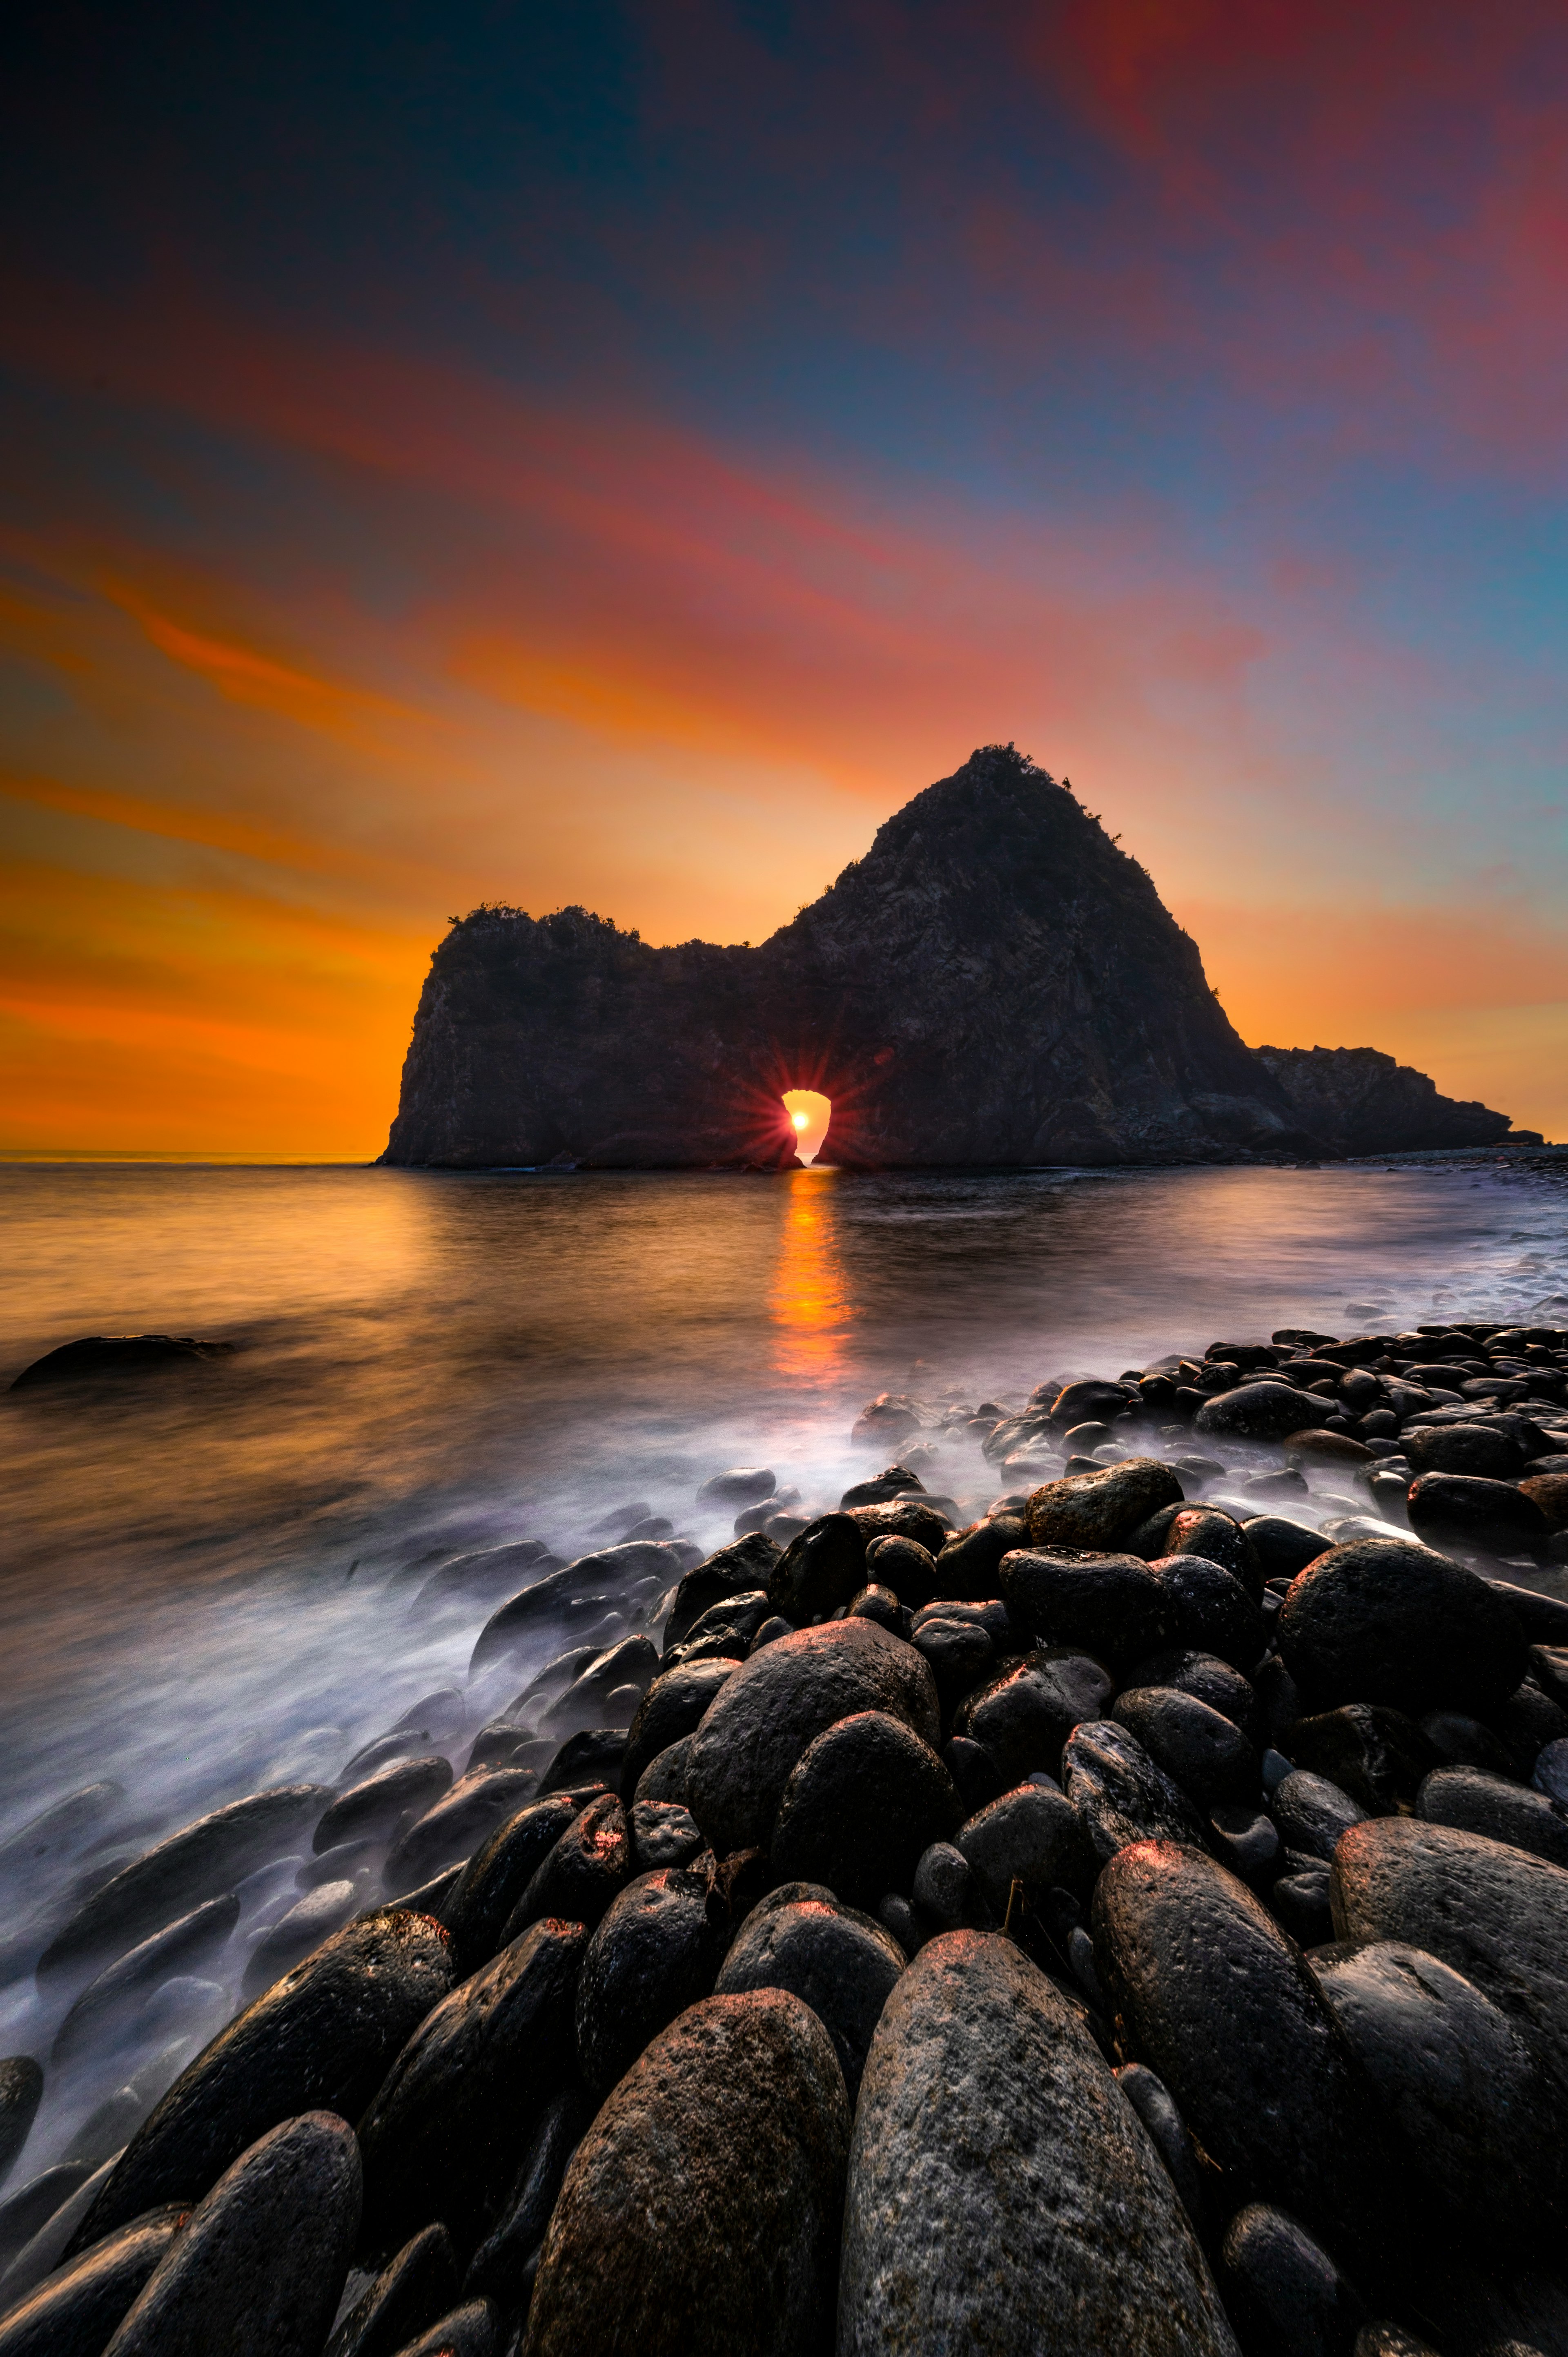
x,y
1358,1100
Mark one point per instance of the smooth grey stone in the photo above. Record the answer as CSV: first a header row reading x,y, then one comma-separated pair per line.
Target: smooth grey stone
x,y
1458,2082
33,2203
1494,1913
1549,1774
632,1662
374,1807
328,2032
56,2240
1382,1621
1285,2293
1245,1840
656,1952
74,2311
413,2290
1151,2099
861,1806
668,2238
778,1703
1031,1836
441,2136
1312,1814
309,1921
1119,1794
349,1861
203,1860
21,2091
258,2270
1494,1805
1218,2002
673,1706
457,1825
590,1579
834,1959
999,2178
58,1830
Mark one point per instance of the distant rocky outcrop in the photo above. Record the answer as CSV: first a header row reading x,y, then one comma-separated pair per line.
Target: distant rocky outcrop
x,y
995,982
1358,1100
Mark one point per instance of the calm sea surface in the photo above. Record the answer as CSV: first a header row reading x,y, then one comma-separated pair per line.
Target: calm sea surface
x,y
206,1585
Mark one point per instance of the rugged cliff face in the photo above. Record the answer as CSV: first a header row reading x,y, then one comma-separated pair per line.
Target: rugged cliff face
x,y
1360,1101
995,982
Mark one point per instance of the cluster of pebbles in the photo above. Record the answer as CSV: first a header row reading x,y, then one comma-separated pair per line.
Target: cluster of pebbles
x,y
1125,1918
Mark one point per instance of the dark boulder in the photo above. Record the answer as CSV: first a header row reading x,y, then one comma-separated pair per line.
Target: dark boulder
x,y
904,1566
485,1894
881,1605
324,2036
1376,1621
969,1568
1119,1793
501,2269
1284,2291
123,1987
73,2312
1090,1397
441,2139
776,1704
401,1788
1199,1748
999,2180
594,1756
1167,2131
1024,1715
1505,1811
1377,1755
458,1824
413,2290
21,2091
668,2238
1283,1548
1215,1537
1312,1813
664,1778
603,1690
863,1801
203,1860
1030,1836
1210,1610
1102,1510
1218,2002
921,1520
1458,1510
259,2268
836,1960
315,1917
822,1566
578,1877
100,1357
745,1564
723,1633
1474,1448
1260,1411
673,1705
663,1833
1215,1681
1456,2079
656,1952
1110,1605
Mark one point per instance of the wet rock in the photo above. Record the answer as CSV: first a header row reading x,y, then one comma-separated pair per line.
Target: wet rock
x,y
1024,1715
662,1835
411,2291
1284,2291
1263,1411
1312,1813
578,1877
1376,1621
501,2269
1493,1912
969,1568
100,1357
1215,1537
922,1520
21,2091
1108,1605
203,1860
667,2237
457,1825
674,1706
960,1654
1217,2001
881,1605
1458,1510
490,1885
324,2036
472,2330
35,2203
309,1921
656,1952
1199,1748
836,1960
1550,1773
1244,1838
886,1418
1090,1397
634,1662
863,1801
1549,1491
58,1830
1030,1836
1319,1446
1301,1901
1460,1741
664,1778
1119,1793
947,1890
441,2138
1215,1681
1504,1811
1376,1755
259,2268
975,1774
1150,2098
1283,1548
904,1566
483,1573
1101,1509
734,1570
1210,1610
1458,2081
999,2175
741,1485
596,1756
723,1633
778,1703
55,2240
1475,1448
74,2311
823,1567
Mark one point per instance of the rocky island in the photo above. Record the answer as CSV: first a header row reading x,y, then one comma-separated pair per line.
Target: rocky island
x,y
997,982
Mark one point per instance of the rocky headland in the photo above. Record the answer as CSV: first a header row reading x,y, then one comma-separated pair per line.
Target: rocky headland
x,y
1097,1911
995,983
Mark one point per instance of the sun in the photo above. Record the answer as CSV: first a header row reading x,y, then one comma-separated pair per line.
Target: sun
x,y
800,1119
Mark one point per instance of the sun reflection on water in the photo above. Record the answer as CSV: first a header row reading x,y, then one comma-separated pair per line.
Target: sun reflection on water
x,y
808,1301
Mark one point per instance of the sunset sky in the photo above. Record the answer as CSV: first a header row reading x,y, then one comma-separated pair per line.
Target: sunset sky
x,y
617,454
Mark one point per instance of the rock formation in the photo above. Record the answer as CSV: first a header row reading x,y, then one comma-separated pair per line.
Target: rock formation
x,y
1358,1100
994,983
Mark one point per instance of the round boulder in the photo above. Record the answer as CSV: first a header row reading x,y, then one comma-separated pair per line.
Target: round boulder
x,y
1381,1622
655,1954
1210,1610
863,1801
840,1963
1475,1448
1458,1510
1025,1714
1110,1605
1263,1411
1101,1509
1199,1748
1119,1793
674,1706
1494,1805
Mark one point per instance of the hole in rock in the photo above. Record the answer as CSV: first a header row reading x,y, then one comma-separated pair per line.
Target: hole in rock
x,y
809,1111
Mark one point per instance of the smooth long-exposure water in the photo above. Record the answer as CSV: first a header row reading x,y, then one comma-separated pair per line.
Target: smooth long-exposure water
x,y
207,1578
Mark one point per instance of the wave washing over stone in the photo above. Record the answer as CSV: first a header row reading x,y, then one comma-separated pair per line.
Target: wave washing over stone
x,y
1108,1914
